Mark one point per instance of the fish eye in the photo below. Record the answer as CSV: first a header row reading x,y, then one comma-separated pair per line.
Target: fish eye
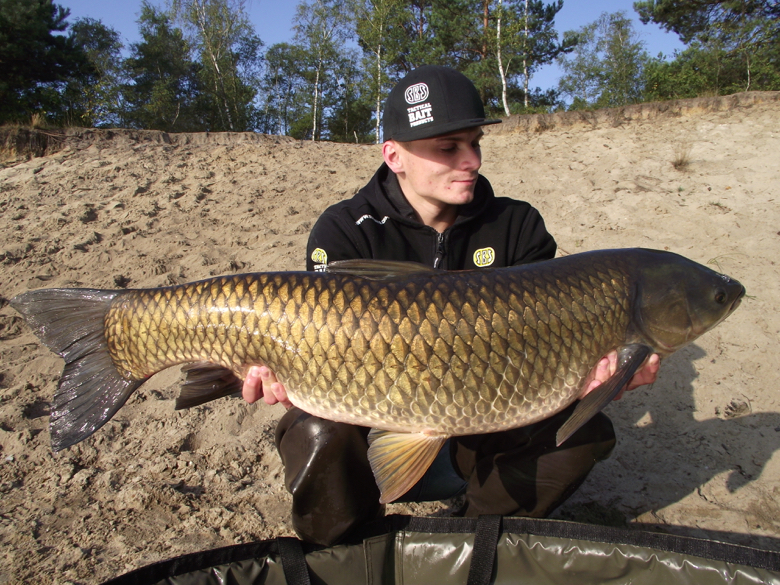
x,y
720,297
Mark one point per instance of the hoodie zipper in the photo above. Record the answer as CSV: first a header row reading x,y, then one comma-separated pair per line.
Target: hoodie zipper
x,y
439,249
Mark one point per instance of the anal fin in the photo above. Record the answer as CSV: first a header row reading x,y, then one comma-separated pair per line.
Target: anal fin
x,y
399,460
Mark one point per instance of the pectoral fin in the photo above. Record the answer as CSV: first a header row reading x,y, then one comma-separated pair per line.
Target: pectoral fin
x,y
630,358
206,382
399,460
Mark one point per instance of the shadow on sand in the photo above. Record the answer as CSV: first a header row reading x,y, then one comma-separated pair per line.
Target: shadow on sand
x,y
668,452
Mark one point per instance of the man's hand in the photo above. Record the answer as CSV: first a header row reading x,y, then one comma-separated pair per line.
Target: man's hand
x,y
261,382
607,366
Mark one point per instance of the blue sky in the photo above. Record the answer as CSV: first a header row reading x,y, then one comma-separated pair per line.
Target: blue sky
x,y
273,23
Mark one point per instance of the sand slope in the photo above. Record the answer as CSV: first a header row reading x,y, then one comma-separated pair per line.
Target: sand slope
x,y
106,209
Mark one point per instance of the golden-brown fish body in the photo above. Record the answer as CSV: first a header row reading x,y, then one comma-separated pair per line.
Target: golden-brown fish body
x,y
450,353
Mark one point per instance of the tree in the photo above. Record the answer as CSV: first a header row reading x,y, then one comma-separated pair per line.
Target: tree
x,y
698,19
398,36
229,53
607,66
743,32
93,99
372,21
464,34
34,61
321,29
526,40
164,88
285,88
349,114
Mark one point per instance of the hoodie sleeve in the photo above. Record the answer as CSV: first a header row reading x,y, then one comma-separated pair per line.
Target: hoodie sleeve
x,y
535,242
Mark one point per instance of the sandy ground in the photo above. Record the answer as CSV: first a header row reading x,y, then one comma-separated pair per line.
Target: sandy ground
x,y
107,209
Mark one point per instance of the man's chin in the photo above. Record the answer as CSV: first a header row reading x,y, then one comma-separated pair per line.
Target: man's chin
x,y
463,197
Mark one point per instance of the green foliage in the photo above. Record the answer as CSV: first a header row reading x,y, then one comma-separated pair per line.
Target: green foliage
x,y
229,52
200,66
34,61
320,30
164,85
607,67
373,22
349,112
701,19
733,46
702,70
285,90
397,36
93,99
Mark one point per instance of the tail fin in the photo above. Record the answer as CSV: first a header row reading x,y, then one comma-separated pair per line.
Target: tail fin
x,y
70,322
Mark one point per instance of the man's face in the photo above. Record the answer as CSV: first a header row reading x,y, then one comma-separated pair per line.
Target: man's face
x,y
440,171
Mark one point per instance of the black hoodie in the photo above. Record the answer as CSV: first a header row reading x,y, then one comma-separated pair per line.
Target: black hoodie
x,y
379,223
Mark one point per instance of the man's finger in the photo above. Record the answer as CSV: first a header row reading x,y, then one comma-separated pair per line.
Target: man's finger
x,y
252,389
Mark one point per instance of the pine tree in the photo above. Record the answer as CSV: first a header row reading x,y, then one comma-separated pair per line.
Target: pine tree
x,y
164,84
35,62
94,99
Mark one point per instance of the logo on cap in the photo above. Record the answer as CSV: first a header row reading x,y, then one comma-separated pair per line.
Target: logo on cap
x,y
416,93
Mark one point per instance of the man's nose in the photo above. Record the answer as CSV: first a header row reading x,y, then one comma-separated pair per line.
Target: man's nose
x,y
472,159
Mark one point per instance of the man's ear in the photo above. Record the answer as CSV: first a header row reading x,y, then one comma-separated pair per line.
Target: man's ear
x,y
392,155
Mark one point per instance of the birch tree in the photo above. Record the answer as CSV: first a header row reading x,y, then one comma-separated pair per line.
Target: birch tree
x,y
229,51
321,29
526,40
372,20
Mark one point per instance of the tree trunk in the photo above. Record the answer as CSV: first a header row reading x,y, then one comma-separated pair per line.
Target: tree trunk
x,y
485,22
378,90
500,64
525,56
316,95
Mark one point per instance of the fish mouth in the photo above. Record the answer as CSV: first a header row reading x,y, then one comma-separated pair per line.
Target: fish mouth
x,y
737,301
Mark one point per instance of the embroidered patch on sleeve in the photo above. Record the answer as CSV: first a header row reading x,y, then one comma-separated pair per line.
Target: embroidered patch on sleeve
x,y
319,256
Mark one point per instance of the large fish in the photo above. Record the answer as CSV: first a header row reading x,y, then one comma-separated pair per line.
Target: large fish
x,y
417,354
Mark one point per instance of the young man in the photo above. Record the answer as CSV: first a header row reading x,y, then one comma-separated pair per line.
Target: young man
x,y
428,203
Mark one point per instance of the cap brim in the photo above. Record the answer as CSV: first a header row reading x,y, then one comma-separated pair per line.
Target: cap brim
x,y
434,130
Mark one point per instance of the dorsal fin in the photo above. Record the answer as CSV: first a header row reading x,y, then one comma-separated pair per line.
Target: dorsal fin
x,y
378,269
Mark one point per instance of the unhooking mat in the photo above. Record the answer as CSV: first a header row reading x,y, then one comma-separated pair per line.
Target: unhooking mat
x,y
406,550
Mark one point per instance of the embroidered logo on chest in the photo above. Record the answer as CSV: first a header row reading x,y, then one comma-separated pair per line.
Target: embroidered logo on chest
x,y
484,257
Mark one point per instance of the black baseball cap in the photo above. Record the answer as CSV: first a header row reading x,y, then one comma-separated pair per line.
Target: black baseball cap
x,y
431,101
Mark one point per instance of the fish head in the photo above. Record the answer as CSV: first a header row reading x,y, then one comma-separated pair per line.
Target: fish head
x,y
677,300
